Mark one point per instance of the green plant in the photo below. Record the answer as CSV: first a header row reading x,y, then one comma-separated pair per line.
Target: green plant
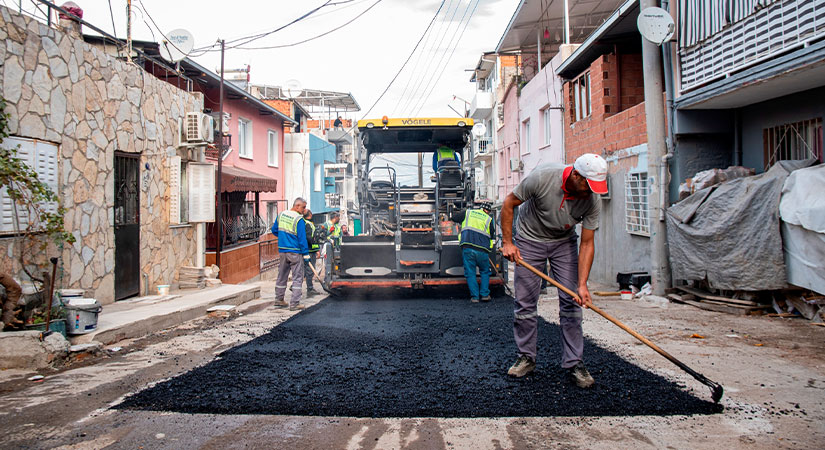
x,y
30,194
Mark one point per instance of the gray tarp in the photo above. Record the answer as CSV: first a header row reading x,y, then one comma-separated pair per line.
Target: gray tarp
x,y
803,227
729,233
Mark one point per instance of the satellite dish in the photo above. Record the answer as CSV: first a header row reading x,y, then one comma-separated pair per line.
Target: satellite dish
x,y
177,45
656,25
292,88
479,129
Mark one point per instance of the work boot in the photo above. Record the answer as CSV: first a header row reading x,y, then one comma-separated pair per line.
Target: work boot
x,y
311,292
297,307
522,367
580,376
474,299
281,302
486,298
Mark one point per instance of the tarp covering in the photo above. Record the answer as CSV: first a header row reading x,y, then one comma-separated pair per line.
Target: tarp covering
x,y
802,210
729,234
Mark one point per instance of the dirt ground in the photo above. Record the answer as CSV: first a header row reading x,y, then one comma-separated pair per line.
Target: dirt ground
x,y
773,371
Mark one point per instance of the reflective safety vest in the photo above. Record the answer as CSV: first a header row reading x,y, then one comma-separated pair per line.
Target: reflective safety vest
x,y
475,230
315,246
288,223
334,229
445,154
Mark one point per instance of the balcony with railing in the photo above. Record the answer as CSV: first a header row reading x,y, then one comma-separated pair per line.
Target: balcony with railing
x,y
483,147
482,105
717,39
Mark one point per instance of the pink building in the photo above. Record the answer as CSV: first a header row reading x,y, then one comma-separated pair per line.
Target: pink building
x,y
509,141
540,113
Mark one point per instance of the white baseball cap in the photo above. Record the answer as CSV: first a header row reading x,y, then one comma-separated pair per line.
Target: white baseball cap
x,y
594,168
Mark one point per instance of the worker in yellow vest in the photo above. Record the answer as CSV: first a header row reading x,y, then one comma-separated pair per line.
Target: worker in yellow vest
x,y
443,154
477,239
293,250
333,229
314,247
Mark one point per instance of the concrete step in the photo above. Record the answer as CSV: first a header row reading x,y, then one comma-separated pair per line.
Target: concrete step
x,y
136,319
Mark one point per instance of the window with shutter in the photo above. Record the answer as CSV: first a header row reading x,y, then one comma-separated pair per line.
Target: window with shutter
x,y
201,180
42,157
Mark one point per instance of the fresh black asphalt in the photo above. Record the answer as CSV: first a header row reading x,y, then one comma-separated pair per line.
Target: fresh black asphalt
x,y
413,357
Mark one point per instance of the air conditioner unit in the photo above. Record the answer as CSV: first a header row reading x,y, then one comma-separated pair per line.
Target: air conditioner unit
x,y
198,128
216,116
516,165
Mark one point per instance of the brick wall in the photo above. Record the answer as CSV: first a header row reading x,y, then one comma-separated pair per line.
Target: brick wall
x,y
238,264
617,119
284,106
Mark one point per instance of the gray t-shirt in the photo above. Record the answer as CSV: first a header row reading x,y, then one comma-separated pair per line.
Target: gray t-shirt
x,y
543,217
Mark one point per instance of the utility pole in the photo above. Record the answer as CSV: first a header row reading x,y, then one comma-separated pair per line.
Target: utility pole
x,y
219,211
129,30
656,161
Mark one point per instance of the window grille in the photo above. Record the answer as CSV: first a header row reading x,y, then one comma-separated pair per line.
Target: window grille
x,y
798,140
636,208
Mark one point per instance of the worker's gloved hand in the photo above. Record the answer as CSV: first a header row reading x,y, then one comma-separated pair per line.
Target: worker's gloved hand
x,y
306,257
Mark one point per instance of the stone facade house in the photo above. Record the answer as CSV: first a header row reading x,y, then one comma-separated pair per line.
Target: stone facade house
x,y
104,135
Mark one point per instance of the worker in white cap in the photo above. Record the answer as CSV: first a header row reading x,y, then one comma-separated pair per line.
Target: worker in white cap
x,y
556,198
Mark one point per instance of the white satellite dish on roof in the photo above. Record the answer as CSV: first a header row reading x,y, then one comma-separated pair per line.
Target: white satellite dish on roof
x,y
176,45
656,25
292,88
479,129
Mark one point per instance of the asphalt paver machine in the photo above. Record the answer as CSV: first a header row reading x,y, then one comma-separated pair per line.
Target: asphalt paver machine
x,y
407,239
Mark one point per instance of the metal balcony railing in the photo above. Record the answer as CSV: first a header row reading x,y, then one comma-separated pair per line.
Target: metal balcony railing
x,y
484,145
720,38
237,230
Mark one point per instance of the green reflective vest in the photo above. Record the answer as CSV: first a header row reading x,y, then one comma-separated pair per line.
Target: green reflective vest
x,y
315,246
288,222
445,154
475,230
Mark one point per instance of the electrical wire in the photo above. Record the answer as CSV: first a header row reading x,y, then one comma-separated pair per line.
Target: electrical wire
x,y
452,52
402,66
414,94
415,66
112,15
248,39
317,36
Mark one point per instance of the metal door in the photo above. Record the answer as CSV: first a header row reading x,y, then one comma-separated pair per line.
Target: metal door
x,y
127,225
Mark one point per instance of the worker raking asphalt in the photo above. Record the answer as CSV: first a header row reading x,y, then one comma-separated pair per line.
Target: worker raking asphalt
x,y
411,357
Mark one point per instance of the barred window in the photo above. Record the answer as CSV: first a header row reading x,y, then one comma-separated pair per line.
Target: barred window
x,y
636,207
798,140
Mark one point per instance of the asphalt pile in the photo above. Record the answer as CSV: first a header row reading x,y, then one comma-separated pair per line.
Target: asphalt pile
x,y
411,357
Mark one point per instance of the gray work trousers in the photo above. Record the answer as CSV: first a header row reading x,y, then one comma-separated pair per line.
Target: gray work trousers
x,y
564,268
290,262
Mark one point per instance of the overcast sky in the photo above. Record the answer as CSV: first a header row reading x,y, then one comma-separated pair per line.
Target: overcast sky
x,y
360,58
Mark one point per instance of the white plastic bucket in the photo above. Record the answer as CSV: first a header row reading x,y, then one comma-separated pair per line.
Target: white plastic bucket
x,y
81,315
163,289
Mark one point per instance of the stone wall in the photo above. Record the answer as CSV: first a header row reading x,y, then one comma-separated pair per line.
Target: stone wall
x,y
62,90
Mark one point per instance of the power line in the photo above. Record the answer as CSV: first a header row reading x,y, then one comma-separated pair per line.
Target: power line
x,y
314,37
248,39
415,66
112,15
431,87
405,62
433,50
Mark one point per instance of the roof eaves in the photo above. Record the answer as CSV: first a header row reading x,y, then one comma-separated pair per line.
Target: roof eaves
x,y
238,91
594,37
509,25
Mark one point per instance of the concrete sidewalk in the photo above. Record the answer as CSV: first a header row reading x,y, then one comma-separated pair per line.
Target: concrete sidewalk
x,y
143,316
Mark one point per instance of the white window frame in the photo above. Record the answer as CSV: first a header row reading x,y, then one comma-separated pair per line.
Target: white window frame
x,y
582,106
318,181
43,157
525,139
637,210
547,122
272,148
244,138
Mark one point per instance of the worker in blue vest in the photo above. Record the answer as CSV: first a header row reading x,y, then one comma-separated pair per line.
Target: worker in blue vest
x,y
314,247
293,250
443,154
477,239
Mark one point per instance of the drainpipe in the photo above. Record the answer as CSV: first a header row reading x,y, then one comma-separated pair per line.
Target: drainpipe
x,y
667,57
657,160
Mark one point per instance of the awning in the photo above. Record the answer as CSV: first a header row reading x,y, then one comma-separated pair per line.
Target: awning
x,y
234,179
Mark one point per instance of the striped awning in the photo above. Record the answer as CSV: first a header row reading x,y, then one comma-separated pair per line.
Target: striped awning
x,y
701,19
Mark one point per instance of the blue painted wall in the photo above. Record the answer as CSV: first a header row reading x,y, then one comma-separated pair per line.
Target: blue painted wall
x,y
320,152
